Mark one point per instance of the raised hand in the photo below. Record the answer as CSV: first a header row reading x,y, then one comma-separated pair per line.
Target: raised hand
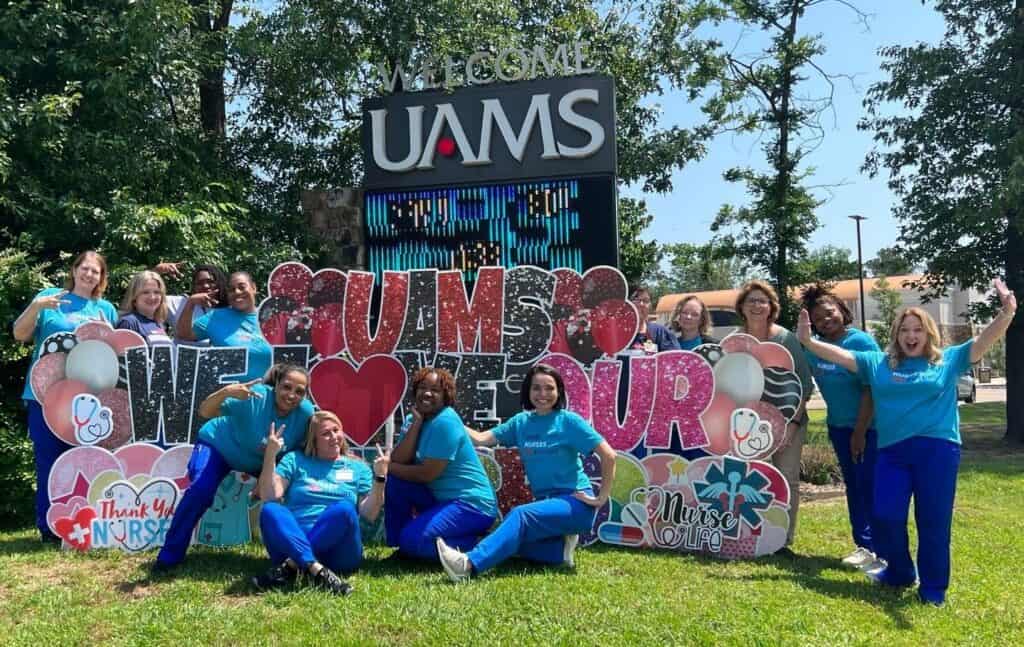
x,y
203,299
275,439
803,327
52,301
243,390
1006,297
169,269
382,462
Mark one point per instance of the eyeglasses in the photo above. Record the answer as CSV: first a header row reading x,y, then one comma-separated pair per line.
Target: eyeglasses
x,y
756,301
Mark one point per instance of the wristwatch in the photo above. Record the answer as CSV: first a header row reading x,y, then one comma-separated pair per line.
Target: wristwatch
x,y
380,479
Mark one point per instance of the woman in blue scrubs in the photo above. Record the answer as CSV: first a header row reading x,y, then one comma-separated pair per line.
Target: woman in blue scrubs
x,y
913,385
56,310
850,415
312,503
236,325
233,439
550,441
436,486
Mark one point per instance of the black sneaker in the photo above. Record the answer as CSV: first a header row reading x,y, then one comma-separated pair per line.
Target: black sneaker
x,y
326,579
279,577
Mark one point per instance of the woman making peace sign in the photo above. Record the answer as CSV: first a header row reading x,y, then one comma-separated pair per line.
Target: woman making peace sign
x,y
233,440
312,503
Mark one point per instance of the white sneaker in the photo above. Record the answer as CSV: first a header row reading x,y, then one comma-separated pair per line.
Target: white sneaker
x,y
860,558
874,568
455,563
571,541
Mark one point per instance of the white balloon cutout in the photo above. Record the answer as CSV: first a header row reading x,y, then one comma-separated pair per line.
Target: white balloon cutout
x,y
740,376
94,363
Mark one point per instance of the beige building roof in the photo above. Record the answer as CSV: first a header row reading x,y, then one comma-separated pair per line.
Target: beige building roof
x,y
846,290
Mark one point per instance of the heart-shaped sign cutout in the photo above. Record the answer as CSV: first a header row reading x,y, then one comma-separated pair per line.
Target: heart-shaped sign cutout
x,y
76,531
615,324
363,398
127,509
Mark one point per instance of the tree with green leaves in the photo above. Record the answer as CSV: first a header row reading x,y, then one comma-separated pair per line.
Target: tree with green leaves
x,y
889,302
954,155
767,92
889,261
826,264
698,268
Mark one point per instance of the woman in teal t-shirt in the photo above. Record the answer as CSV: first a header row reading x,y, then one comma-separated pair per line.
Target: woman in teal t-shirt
x,y
236,325
55,311
312,503
691,321
914,389
850,416
550,441
234,440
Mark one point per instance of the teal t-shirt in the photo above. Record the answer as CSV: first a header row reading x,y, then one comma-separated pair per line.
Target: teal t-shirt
x,y
840,388
917,398
229,327
65,318
240,433
314,484
550,446
444,437
689,344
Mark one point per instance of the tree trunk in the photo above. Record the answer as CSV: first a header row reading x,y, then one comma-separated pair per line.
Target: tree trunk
x,y
212,99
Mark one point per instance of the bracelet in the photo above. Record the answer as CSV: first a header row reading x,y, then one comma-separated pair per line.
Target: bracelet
x,y
380,479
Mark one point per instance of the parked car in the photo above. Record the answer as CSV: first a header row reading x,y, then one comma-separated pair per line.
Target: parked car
x,y
966,389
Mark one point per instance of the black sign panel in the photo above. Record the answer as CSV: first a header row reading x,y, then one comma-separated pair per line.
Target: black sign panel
x,y
543,129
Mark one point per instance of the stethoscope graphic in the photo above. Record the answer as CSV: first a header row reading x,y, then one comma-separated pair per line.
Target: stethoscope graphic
x,y
95,414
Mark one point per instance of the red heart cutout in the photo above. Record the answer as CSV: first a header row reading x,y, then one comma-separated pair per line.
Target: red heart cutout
x,y
614,325
362,398
76,530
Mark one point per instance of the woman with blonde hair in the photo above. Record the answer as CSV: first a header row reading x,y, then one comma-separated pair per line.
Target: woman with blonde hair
x,y
144,308
52,311
913,384
757,306
312,503
691,321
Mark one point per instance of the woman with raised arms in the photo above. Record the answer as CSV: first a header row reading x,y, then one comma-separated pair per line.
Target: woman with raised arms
x,y
550,441
233,439
312,502
913,384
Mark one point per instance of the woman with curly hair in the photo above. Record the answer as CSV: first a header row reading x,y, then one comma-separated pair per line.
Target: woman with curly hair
x,y
436,486
913,384
849,415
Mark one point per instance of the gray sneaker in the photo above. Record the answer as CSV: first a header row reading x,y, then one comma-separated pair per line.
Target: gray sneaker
x,y
455,563
571,542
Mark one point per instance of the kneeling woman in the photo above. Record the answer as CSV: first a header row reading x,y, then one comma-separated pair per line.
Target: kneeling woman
x,y
914,388
550,441
233,440
315,527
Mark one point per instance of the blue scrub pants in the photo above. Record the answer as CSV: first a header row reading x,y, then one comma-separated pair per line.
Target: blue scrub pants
x,y
206,469
925,468
535,531
414,519
334,540
47,448
859,479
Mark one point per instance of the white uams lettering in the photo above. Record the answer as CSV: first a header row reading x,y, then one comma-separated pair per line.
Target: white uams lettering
x,y
421,154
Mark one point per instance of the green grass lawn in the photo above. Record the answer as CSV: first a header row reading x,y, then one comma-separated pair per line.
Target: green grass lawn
x,y
613,597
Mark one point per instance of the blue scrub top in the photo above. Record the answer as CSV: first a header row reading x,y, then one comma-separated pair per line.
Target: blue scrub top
x,y
240,433
314,484
229,327
550,446
444,437
916,398
65,318
841,388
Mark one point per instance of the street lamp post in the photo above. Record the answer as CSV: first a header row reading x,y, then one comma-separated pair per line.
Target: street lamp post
x,y
860,272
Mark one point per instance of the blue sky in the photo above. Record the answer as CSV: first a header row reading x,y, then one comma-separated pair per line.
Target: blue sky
x,y
685,214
